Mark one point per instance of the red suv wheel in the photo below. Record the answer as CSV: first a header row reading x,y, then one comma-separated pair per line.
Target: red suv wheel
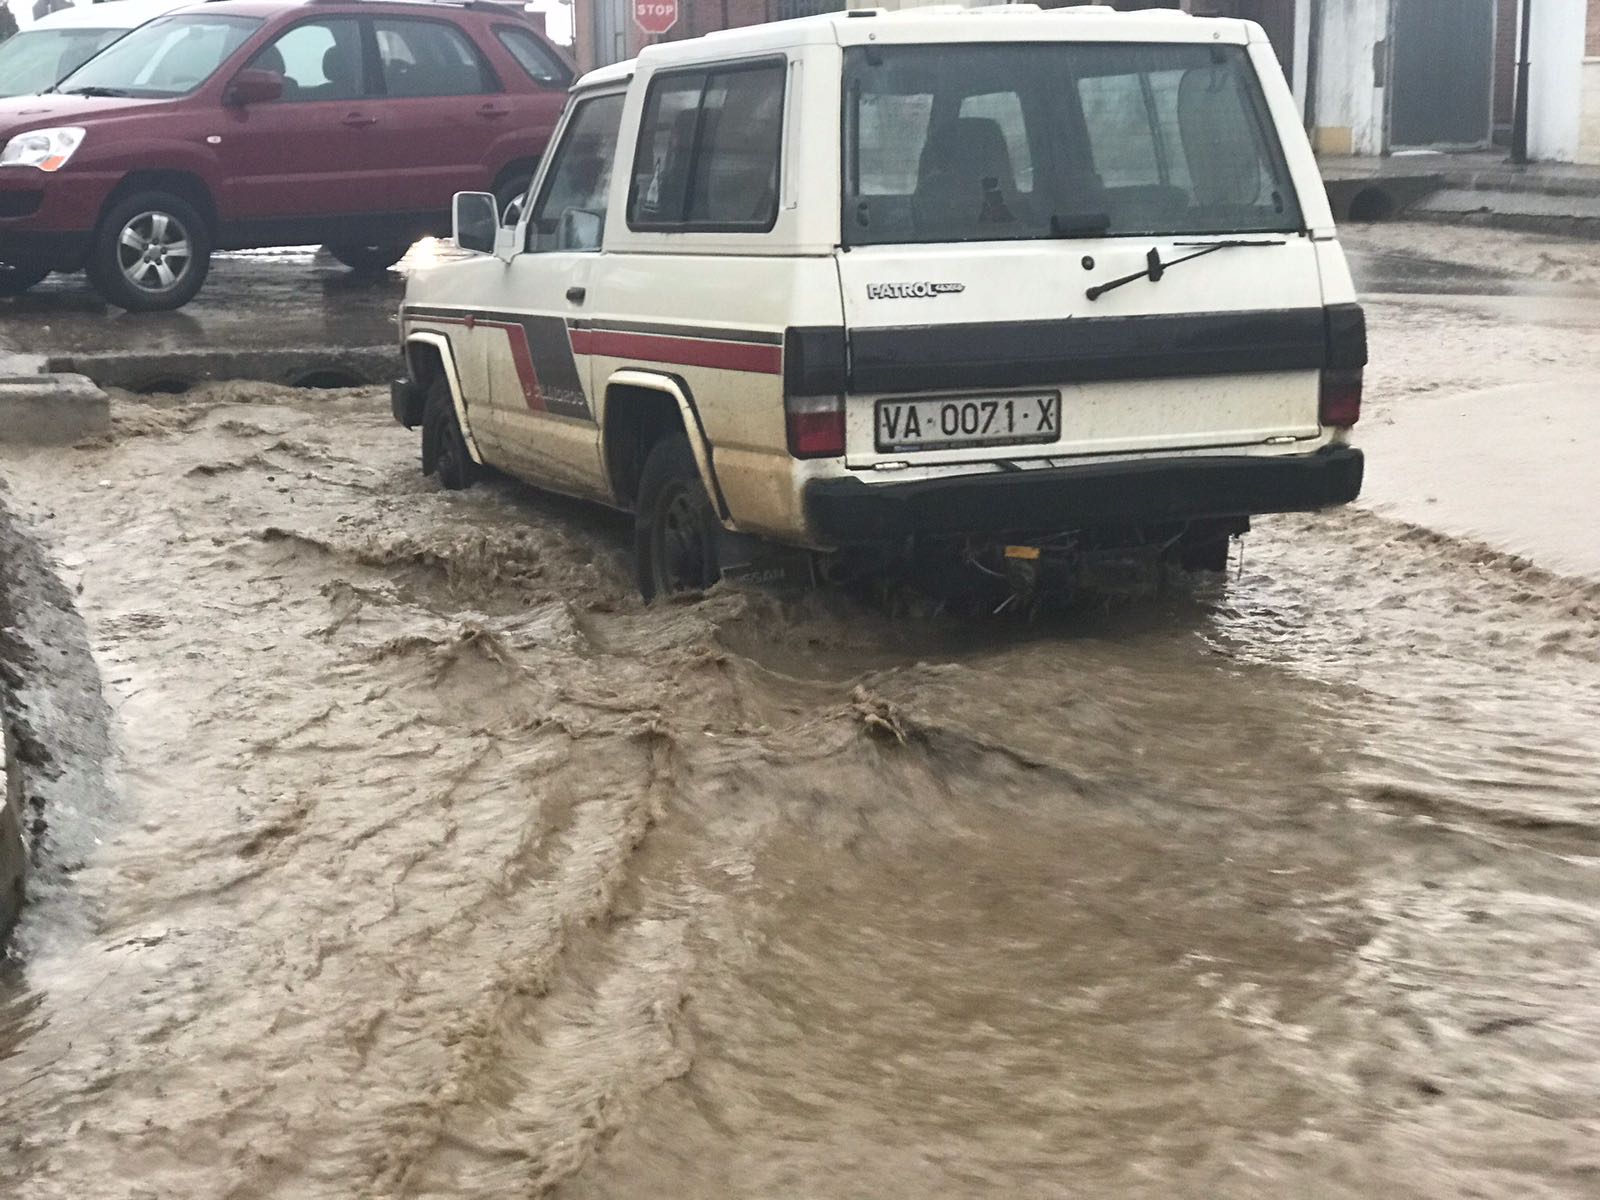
x,y
151,252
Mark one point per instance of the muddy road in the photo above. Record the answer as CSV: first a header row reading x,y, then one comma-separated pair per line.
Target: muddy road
x,y
427,863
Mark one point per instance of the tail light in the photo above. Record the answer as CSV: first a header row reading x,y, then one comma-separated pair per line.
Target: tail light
x,y
1340,403
816,426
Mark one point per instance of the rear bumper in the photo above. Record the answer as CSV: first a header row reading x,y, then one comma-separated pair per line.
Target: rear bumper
x,y
852,512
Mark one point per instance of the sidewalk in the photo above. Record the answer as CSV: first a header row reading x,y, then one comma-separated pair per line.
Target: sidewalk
x,y
1482,187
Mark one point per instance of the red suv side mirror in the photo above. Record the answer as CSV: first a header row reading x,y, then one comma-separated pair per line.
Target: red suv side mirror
x,y
254,86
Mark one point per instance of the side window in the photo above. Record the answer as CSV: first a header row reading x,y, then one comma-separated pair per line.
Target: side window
x,y
571,210
709,147
533,56
319,60
429,58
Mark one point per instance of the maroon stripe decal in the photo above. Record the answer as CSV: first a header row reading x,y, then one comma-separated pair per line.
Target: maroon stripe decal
x,y
686,352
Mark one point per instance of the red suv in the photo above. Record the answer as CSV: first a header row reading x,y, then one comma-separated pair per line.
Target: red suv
x,y
251,123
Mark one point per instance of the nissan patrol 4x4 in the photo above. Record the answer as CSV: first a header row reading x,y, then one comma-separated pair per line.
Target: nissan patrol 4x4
x,y
1009,285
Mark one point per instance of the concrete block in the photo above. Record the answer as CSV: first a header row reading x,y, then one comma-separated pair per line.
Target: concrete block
x,y
179,370
51,410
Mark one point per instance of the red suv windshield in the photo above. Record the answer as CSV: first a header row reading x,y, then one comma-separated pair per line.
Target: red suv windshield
x,y
168,57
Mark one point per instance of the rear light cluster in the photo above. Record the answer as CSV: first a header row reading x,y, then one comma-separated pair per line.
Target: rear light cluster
x,y
1340,402
814,384
816,425
1339,405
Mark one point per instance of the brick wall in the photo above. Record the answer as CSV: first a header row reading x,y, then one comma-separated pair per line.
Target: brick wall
x,y
1593,40
1505,61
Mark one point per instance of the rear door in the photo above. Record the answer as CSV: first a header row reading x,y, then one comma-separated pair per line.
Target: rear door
x,y
989,188
441,109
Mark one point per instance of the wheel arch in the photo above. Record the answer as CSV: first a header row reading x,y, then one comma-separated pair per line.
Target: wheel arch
x,y
186,185
429,355
640,408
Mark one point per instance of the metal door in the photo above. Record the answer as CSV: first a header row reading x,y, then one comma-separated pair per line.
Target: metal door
x,y
1442,72
610,31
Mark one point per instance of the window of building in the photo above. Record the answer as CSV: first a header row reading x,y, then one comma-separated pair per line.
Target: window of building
x,y
709,148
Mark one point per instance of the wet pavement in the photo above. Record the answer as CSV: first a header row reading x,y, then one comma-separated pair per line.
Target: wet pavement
x,y
430,863
263,299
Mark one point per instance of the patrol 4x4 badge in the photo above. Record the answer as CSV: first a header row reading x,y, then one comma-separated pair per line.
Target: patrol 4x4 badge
x,y
912,291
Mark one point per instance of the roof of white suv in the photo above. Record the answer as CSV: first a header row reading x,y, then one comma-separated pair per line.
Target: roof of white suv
x,y
941,23
117,14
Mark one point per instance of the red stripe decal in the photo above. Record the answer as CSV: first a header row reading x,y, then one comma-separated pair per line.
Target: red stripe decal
x,y
687,352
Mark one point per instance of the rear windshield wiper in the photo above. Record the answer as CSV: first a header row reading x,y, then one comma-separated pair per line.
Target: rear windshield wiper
x,y
95,91
1154,268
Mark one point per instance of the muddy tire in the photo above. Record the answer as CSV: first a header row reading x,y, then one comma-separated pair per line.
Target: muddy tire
x,y
16,279
675,527
368,260
151,253
444,449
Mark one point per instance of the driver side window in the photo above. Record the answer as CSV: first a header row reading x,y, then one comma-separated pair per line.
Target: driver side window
x,y
571,211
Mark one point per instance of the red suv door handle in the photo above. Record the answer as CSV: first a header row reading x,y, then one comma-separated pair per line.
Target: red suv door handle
x,y
490,110
359,119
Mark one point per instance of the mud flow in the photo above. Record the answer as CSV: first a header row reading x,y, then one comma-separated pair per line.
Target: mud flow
x,y
431,864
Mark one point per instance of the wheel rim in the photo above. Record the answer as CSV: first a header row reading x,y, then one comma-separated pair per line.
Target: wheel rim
x,y
682,554
154,252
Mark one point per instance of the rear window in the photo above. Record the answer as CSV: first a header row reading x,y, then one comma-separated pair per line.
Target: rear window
x,y
1004,142
533,56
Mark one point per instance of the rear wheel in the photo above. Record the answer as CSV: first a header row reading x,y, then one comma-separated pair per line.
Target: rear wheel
x,y
152,252
675,527
369,260
444,448
16,278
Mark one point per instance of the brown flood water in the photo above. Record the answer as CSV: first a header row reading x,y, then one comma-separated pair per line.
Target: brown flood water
x,y
430,864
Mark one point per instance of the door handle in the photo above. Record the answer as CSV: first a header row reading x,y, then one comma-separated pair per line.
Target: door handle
x,y
489,110
577,295
356,120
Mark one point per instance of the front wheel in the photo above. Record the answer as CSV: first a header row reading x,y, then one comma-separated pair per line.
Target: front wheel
x,y
17,278
444,447
675,528
152,252
368,260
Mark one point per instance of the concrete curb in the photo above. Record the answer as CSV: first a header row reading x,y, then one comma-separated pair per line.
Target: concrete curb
x,y
51,410
13,857
178,371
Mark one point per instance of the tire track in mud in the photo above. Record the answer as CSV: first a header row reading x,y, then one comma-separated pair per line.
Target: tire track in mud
x,y
452,870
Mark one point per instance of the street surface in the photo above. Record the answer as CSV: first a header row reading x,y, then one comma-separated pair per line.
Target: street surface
x,y
431,864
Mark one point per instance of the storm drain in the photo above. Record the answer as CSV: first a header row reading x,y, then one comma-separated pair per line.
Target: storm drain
x,y
172,373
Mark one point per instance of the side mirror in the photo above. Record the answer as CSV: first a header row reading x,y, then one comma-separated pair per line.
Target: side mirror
x,y
580,229
254,86
476,222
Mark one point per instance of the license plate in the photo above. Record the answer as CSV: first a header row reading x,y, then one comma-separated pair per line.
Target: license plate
x,y
976,421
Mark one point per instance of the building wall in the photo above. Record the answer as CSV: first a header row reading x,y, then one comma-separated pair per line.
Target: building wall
x,y
1349,114
1556,91
1589,120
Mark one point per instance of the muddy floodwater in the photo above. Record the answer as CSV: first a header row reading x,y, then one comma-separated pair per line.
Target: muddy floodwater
x,y
412,857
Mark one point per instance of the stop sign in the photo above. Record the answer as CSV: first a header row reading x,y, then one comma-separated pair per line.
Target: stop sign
x,y
655,16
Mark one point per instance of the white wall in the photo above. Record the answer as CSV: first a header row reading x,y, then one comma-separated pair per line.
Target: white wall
x,y
1347,95
1555,92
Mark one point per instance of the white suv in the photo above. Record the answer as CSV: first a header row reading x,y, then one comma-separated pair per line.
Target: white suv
x,y
995,286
